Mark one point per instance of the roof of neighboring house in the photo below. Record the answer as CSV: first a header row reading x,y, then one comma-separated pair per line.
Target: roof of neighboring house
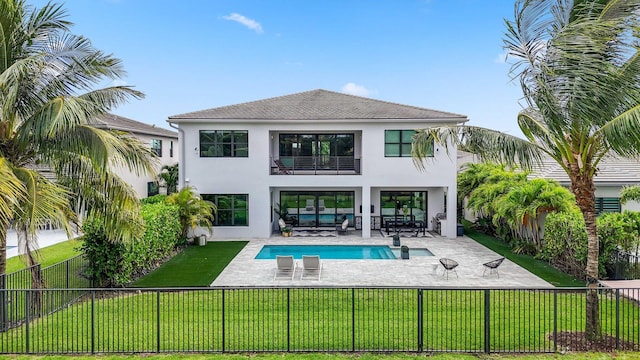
x,y
320,105
611,171
115,122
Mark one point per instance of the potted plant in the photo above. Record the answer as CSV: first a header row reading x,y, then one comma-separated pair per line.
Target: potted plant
x,y
286,231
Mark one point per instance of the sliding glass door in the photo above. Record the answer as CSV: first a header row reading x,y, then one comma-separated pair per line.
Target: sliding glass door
x,y
403,205
318,208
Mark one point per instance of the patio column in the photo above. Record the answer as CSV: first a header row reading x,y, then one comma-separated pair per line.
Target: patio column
x,y
451,230
366,213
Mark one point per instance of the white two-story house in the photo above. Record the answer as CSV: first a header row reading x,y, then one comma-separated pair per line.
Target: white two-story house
x,y
321,155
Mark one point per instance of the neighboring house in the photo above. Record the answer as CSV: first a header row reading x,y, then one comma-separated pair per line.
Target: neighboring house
x,y
612,175
163,142
323,155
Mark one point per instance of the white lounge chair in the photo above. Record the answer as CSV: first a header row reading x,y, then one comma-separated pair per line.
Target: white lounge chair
x,y
311,266
321,205
286,267
310,204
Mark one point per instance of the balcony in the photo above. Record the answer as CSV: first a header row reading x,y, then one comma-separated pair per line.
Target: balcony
x,y
315,165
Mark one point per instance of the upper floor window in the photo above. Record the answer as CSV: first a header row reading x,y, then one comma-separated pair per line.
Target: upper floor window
x,y
171,149
232,209
397,143
156,147
224,143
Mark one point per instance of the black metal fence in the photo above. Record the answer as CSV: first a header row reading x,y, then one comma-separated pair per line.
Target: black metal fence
x,y
625,266
318,320
63,275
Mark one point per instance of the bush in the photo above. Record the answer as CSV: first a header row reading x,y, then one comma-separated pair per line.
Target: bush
x,y
565,242
114,263
617,231
155,199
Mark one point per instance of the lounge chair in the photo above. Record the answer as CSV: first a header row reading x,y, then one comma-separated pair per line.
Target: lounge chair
x,y
449,265
310,204
311,266
286,267
282,169
492,266
320,205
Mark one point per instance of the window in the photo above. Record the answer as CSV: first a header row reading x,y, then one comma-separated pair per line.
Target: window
x,y
397,143
171,149
233,209
224,143
607,204
153,188
156,147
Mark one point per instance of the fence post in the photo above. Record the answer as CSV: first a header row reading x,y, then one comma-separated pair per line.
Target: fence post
x,y
555,320
288,319
487,321
93,321
420,324
67,268
26,319
4,303
617,319
353,320
158,321
223,324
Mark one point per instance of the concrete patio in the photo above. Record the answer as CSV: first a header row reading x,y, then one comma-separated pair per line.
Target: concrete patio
x,y
423,271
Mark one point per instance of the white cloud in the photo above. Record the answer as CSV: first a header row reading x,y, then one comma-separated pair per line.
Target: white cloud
x,y
355,89
250,23
502,57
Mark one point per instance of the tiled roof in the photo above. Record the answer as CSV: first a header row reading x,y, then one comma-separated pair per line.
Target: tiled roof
x,y
611,170
320,105
115,122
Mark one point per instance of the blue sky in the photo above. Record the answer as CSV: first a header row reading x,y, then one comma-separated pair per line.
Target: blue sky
x,y
196,54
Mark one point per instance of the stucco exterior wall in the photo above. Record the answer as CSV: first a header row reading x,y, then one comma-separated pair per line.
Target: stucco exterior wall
x,y
251,175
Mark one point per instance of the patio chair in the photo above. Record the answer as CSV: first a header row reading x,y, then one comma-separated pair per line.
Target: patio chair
x,y
492,266
286,267
320,205
282,169
342,228
311,266
449,265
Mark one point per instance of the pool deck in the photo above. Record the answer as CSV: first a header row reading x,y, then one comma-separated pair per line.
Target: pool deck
x,y
418,271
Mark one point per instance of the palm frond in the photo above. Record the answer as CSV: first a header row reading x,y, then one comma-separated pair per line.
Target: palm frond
x,y
12,191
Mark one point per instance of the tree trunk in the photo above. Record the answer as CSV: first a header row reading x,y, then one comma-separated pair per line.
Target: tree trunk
x,y
583,188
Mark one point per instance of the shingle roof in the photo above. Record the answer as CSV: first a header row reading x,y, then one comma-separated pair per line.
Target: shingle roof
x,y
115,122
611,170
319,105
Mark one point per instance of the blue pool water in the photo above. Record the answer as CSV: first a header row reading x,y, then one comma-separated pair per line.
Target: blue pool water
x,y
327,251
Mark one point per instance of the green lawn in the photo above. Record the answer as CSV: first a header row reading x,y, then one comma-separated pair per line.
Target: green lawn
x,y
195,266
49,255
535,266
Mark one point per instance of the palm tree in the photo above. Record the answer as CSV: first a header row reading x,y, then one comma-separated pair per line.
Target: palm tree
x,y
48,93
169,176
194,211
579,68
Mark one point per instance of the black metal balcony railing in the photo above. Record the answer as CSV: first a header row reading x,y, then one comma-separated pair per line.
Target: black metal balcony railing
x,y
315,165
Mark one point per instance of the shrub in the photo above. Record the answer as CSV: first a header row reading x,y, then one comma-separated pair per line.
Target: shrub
x,y
565,242
154,199
114,263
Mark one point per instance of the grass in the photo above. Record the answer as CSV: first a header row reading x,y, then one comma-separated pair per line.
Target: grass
x,y
49,255
195,266
537,267
304,319
339,356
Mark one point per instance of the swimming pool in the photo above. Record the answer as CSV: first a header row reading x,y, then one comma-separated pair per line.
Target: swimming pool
x,y
414,252
380,252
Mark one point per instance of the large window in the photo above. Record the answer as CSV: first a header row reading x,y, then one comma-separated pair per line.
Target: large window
x,y
156,147
233,209
153,188
397,143
407,205
224,143
318,208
